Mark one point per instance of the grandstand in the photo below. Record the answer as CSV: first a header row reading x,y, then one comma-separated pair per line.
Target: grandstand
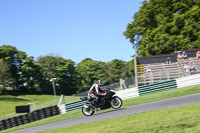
x,y
161,71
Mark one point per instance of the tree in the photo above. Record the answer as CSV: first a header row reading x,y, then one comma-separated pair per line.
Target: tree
x,y
31,76
14,59
61,69
130,68
115,70
22,69
161,27
5,76
88,71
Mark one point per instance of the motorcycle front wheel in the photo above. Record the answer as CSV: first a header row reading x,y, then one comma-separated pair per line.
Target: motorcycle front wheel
x,y
87,111
116,102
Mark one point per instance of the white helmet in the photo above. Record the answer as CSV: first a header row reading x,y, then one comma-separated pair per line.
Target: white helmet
x,y
100,82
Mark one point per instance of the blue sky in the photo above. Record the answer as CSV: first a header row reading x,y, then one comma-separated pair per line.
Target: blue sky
x,y
72,29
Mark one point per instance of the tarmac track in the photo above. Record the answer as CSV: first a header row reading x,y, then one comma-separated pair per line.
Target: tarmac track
x,y
157,105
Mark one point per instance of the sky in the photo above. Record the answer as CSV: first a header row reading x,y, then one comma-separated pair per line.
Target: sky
x,y
72,29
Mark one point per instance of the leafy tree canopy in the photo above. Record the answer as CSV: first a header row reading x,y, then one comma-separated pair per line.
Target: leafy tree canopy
x,y
116,69
89,71
22,70
61,69
164,26
5,76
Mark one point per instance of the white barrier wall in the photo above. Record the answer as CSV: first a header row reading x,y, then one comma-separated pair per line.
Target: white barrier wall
x,y
181,82
188,81
62,108
128,93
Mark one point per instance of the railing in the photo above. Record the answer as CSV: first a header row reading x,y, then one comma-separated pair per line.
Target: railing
x,y
129,82
152,77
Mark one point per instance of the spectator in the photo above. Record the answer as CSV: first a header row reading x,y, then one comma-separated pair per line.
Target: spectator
x,y
186,68
179,56
191,66
198,54
168,60
148,68
184,55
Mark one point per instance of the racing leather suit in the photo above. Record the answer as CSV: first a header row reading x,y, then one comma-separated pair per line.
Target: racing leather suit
x,y
94,93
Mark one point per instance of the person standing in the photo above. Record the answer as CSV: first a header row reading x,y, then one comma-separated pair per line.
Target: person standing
x,y
168,60
148,68
184,55
198,54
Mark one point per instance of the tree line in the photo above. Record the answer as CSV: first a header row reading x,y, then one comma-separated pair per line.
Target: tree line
x,y
21,74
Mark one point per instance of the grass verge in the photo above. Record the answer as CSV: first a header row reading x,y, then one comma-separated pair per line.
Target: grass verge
x,y
185,119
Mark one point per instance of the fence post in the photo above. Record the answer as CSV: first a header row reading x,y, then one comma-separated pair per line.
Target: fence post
x,y
136,78
151,78
61,97
168,74
73,97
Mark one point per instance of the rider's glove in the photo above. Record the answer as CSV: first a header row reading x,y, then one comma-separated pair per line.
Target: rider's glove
x,y
103,94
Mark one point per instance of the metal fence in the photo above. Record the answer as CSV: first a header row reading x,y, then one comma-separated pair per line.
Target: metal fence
x,y
129,82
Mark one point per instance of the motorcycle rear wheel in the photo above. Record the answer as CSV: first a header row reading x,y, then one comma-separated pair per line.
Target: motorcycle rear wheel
x,y
116,102
87,111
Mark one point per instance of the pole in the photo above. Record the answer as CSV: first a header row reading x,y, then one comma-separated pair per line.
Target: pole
x,y
136,72
54,91
61,97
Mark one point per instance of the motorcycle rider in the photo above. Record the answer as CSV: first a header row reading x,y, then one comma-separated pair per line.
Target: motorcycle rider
x,y
95,92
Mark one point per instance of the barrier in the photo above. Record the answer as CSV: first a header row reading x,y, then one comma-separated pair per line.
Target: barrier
x,y
188,81
128,93
29,117
64,108
157,87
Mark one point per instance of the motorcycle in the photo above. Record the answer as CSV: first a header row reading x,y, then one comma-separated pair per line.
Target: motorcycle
x,y
105,102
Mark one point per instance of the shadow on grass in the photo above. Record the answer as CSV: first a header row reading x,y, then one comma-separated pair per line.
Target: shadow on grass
x,y
12,99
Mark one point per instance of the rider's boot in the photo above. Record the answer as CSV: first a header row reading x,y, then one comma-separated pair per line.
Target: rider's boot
x,y
97,109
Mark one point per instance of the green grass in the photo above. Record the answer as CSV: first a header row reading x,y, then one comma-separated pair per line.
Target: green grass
x,y
185,119
133,101
8,103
